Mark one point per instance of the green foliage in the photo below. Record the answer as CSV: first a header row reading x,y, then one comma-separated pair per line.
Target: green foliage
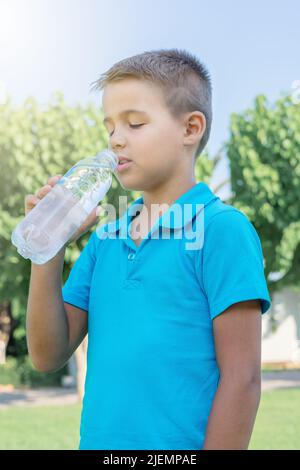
x,y
20,372
264,155
204,167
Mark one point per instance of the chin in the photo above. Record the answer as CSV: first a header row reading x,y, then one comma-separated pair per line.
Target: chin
x,y
130,183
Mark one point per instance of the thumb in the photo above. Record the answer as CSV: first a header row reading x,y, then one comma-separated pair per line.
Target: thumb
x,y
99,210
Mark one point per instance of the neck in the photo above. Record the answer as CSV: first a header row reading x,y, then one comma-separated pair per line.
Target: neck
x,y
168,192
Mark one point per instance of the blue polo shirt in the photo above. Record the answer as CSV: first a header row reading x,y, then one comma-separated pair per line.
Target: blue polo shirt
x,y
152,372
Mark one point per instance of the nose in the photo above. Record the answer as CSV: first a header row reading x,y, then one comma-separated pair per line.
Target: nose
x,y
116,141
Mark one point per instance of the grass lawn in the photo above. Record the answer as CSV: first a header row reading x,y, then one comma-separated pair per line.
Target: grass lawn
x,y
57,427
40,428
277,424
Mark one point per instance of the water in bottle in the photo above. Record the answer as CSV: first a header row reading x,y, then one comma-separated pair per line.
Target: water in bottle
x,y
55,219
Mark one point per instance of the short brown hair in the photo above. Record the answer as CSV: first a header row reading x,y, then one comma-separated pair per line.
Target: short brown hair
x,y
184,80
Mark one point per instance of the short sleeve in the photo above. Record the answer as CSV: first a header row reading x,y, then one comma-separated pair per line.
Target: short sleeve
x,y
76,290
233,265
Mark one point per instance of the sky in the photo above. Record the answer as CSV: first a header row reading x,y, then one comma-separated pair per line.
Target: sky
x,y
64,45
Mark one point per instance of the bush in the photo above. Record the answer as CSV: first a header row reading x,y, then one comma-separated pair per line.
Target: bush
x,y
20,373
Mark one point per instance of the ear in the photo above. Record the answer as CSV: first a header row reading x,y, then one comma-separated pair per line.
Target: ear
x,y
194,127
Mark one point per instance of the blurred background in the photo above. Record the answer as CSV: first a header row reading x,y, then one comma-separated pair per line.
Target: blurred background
x,y
50,53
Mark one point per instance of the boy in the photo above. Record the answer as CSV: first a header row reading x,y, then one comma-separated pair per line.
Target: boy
x,y
174,333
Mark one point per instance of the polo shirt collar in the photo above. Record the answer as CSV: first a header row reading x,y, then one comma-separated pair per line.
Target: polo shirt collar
x,y
197,197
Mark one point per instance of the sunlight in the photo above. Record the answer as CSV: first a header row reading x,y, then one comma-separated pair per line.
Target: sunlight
x,y
19,28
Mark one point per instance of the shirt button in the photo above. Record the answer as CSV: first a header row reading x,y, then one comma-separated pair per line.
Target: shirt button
x,y
131,256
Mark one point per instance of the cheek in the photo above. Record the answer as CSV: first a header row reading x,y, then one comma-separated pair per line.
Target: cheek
x,y
156,141
156,147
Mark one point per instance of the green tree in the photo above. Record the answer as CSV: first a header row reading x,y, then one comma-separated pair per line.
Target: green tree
x,y
264,154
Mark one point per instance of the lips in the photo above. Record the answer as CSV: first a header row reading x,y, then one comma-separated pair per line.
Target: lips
x,y
124,163
123,159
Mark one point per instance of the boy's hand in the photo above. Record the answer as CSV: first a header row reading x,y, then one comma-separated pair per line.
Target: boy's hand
x,y
31,200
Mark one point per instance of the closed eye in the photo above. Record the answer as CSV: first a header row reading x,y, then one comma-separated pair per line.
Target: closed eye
x,y
134,126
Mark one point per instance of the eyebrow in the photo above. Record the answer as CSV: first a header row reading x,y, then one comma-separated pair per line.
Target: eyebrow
x,y
124,113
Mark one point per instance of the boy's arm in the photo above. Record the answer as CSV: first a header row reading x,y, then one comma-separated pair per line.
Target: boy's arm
x,y
54,329
46,320
237,335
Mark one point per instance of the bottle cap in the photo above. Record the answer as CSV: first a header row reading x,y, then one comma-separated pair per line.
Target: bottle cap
x,y
108,158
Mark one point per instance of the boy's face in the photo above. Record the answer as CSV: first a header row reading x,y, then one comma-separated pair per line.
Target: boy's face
x,y
156,147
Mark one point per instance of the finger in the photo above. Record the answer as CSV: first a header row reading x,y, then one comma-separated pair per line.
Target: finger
x,y
53,179
43,191
30,202
90,221
99,211
31,199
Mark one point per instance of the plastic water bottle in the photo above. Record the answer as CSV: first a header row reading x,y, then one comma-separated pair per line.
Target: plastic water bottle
x,y
55,219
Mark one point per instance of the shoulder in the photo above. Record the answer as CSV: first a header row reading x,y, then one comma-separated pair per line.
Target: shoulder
x,y
221,215
225,223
